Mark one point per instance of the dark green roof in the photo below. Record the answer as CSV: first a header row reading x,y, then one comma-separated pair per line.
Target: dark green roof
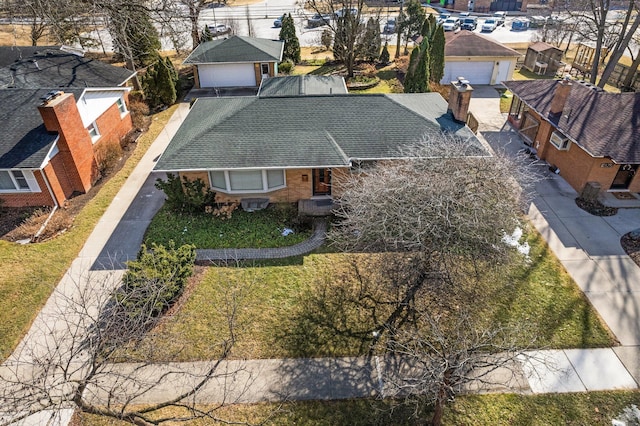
x,y
237,49
305,131
300,85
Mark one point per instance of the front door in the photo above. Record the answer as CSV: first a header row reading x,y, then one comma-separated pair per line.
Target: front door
x,y
625,175
264,70
321,181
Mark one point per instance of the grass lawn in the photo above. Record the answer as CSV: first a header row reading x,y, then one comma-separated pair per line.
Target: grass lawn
x,y
280,307
259,229
593,408
29,273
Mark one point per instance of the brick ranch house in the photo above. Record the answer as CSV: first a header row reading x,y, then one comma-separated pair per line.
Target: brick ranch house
x,y
587,134
291,148
51,141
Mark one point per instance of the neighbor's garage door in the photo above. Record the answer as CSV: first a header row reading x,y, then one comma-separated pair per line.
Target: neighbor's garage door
x,y
475,72
227,75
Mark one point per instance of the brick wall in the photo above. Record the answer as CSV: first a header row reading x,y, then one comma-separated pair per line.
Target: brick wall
x,y
75,147
29,199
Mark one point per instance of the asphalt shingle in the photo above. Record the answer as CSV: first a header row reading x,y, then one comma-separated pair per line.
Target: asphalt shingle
x,y
237,49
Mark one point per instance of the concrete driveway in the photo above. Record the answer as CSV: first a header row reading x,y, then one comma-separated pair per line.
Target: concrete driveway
x,y
588,246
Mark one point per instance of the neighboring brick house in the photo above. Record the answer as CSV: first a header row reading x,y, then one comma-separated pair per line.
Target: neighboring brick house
x,y
291,148
50,141
235,62
588,134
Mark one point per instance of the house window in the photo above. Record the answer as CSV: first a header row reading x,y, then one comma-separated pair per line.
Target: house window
x,y
560,141
93,132
265,69
243,181
122,107
13,181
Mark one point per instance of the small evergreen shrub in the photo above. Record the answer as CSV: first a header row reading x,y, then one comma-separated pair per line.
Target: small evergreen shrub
x,y
285,67
186,196
155,280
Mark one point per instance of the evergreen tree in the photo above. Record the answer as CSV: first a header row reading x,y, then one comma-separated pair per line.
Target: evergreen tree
x,y
370,43
159,83
291,43
417,77
326,38
384,56
411,24
134,36
436,55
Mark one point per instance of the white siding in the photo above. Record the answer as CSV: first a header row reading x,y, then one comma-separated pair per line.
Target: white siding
x,y
475,72
226,75
92,104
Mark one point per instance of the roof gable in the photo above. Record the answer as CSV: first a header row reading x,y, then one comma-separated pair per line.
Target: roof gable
x,y
237,49
467,43
305,131
51,67
604,124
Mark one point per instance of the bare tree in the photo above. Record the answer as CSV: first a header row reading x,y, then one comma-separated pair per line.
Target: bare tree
x,y
80,355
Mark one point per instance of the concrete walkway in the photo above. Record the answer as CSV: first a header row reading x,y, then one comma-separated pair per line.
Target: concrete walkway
x,y
588,247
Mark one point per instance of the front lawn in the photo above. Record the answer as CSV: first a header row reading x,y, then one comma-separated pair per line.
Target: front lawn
x,y
574,409
282,310
258,229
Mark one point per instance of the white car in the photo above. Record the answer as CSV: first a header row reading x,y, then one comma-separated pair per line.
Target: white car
x,y
219,29
489,25
451,24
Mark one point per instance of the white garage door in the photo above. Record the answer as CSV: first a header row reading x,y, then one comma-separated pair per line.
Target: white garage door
x,y
227,75
475,72
503,72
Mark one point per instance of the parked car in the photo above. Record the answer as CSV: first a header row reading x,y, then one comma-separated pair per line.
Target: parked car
x,y
219,29
520,24
489,25
500,17
278,22
469,23
464,14
319,20
443,17
451,24
390,26
342,12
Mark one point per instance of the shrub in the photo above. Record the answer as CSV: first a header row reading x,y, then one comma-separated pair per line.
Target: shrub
x,y
326,39
155,280
108,153
285,67
186,196
139,114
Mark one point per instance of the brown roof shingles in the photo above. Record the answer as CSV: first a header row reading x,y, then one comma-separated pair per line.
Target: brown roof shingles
x,y
604,124
467,43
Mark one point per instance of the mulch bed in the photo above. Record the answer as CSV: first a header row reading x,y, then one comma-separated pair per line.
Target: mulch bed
x,y
595,207
631,244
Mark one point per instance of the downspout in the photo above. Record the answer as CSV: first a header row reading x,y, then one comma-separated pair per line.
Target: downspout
x,y
55,207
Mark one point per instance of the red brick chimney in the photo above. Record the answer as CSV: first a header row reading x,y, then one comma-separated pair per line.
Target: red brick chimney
x,y
563,88
60,115
459,99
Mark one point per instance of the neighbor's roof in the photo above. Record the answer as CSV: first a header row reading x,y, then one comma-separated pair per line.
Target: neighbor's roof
x,y
305,131
301,85
541,46
237,49
468,43
50,67
24,141
604,124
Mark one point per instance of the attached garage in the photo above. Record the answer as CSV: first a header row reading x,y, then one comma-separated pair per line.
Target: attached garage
x,y
475,72
227,75
477,58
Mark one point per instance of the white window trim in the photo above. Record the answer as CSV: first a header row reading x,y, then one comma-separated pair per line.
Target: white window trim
x,y
560,141
265,183
122,105
32,183
97,136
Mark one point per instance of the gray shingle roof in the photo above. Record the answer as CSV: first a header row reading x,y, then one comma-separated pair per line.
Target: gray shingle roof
x,y
604,124
50,67
297,85
304,131
467,43
237,49
24,142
